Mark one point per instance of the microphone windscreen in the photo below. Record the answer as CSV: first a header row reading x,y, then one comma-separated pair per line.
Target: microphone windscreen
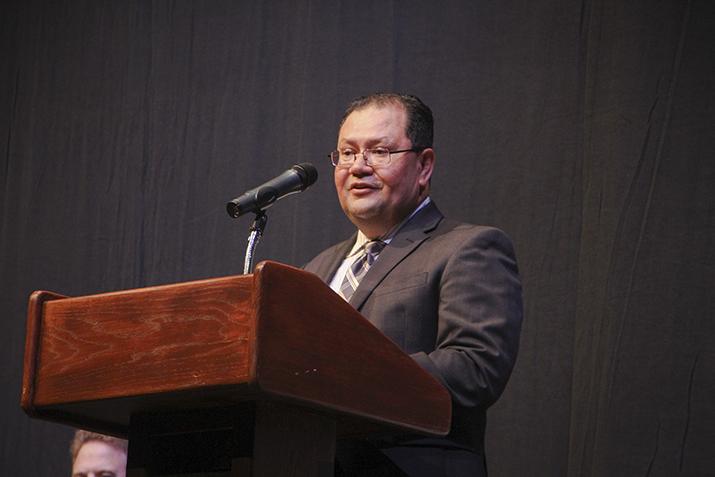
x,y
307,172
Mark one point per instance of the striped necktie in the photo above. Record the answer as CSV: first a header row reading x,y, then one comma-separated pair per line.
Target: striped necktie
x,y
359,267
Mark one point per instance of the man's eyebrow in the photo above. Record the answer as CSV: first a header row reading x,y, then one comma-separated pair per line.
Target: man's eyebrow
x,y
348,140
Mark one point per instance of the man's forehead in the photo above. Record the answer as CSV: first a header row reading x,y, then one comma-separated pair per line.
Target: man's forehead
x,y
378,121
97,454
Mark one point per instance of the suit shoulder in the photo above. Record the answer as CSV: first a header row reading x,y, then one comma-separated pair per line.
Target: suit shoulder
x,y
452,237
329,252
450,227
328,255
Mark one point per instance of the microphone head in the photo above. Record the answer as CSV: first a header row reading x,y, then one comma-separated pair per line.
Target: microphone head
x,y
296,179
307,172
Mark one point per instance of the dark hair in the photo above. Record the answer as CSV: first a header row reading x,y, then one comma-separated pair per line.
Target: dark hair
x,y
420,124
81,437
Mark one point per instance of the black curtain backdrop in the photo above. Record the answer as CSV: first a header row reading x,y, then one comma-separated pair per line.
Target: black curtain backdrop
x,y
583,129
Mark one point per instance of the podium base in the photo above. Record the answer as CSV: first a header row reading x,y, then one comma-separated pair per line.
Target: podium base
x,y
260,439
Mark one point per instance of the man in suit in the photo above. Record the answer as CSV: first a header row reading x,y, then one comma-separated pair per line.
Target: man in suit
x,y
447,293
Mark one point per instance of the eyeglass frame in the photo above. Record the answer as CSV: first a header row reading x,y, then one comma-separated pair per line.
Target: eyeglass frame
x,y
370,150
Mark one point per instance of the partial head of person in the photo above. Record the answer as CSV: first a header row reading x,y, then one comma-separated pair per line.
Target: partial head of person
x,y
384,160
98,455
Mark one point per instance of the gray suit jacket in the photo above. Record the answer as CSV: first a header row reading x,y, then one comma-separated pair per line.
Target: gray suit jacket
x,y
447,293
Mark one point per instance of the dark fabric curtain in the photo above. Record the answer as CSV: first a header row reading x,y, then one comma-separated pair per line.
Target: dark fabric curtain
x,y
583,129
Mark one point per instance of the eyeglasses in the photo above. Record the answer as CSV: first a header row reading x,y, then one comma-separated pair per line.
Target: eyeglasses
x,y
375,157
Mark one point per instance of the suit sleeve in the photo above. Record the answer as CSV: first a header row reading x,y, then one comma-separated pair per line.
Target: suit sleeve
x,y
479,320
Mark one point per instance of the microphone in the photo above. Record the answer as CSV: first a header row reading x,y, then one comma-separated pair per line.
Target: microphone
x,y
296,179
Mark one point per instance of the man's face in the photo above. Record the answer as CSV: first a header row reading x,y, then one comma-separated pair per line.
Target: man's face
x,y
99,459
376,200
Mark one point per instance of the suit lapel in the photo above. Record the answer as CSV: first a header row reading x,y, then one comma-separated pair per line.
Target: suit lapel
x,y
407,239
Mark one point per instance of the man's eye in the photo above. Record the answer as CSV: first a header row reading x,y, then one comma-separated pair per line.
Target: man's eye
x,y
381,151
347,153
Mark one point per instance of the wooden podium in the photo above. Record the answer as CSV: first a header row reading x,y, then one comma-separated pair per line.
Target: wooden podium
x,y
244,375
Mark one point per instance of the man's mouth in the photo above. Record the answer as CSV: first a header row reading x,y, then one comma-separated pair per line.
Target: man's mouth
x,y
362,186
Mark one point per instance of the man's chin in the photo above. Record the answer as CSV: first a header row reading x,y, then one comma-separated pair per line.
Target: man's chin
x,y
362,213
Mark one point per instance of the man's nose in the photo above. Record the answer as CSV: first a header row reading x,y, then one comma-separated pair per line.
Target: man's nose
x,y
360,167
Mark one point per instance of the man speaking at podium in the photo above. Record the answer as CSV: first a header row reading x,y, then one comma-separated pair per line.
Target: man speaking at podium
x,y
447,293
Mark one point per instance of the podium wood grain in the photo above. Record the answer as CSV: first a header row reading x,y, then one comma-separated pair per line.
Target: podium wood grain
x,y
277,340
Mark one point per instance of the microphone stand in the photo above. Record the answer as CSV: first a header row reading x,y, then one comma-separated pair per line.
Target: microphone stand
x,y
256,231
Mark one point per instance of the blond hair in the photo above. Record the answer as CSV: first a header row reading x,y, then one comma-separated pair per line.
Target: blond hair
x,y
81,437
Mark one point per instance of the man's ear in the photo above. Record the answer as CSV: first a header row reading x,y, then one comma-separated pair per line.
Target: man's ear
x,y
426,159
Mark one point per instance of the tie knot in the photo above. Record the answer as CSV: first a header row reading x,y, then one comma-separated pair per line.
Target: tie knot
x,y
372,250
